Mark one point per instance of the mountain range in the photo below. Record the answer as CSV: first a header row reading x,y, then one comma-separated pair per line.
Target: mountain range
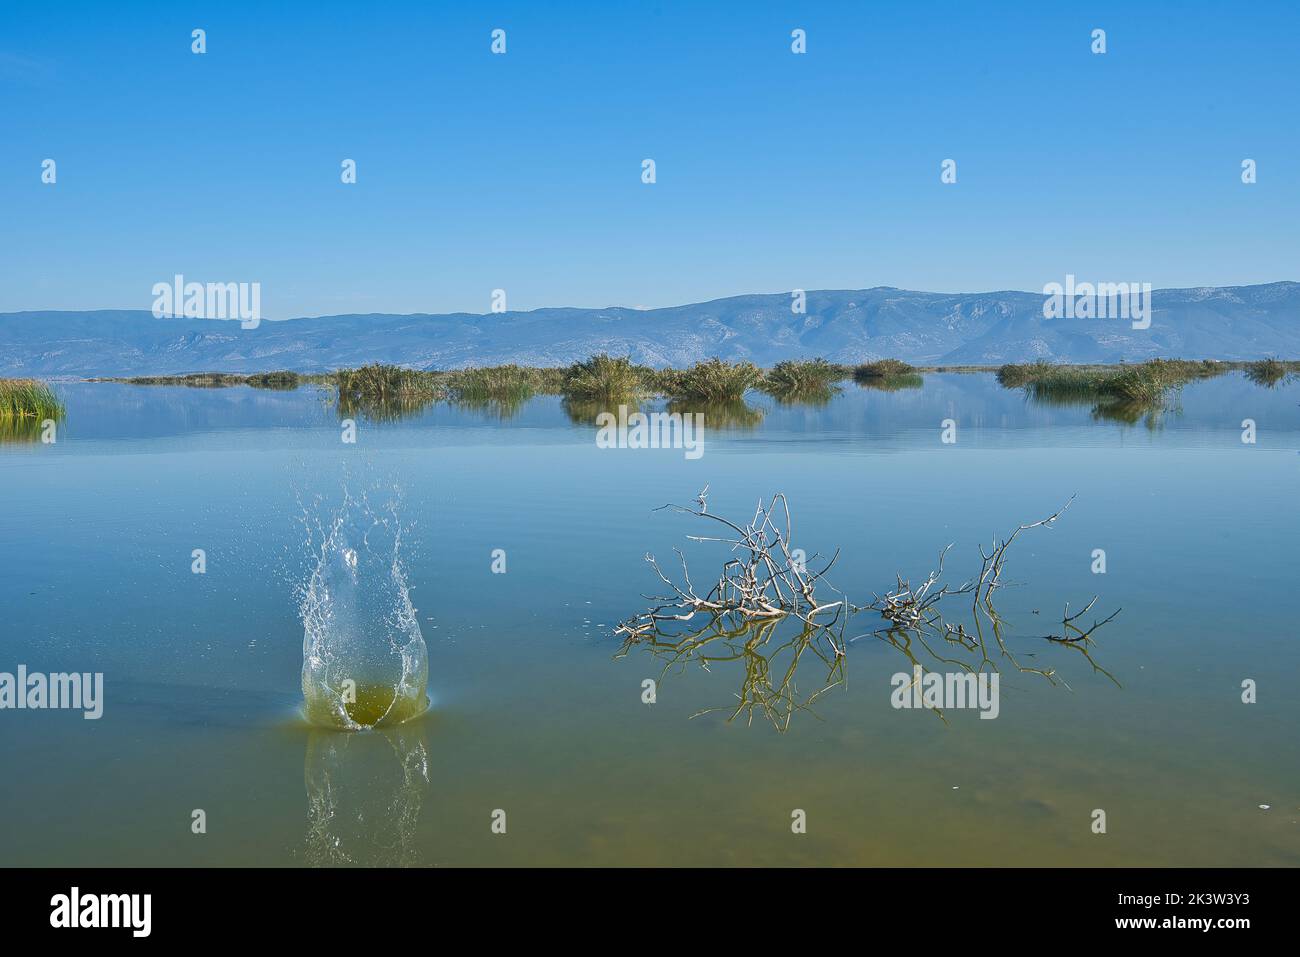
x,y
848,326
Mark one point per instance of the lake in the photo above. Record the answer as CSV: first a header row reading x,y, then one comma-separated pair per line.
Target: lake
x,y
535,712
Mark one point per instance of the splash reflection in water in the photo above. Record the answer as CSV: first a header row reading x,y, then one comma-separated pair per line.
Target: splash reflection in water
x,y
364,794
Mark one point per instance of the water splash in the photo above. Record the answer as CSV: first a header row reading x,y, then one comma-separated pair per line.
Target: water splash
x,y
364,661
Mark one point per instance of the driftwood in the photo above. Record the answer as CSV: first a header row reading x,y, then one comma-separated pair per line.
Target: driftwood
x,y
767,581
915,612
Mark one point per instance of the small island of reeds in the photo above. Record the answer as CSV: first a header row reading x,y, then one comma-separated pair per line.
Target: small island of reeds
x,y
24,405
1125,392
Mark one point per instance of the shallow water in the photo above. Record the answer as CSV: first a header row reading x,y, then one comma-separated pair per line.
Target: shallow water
x,y
533,714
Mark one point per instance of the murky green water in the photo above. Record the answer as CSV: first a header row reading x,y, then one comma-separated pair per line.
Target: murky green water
x,y
533,714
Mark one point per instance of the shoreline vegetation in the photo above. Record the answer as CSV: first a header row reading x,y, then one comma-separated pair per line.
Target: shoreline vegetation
x,y
25,405
1127,392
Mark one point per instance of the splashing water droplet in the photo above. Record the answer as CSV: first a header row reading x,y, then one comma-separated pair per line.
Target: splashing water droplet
x,y
364,661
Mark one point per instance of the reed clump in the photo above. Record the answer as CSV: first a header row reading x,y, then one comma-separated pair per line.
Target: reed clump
x,y
28,399
802,380
712,381
193,380
387,392
883,369
1015,375
1140,383
893,383
602,378
508,383
663,381
502,390
282,379
380,383
1124,393
1269,372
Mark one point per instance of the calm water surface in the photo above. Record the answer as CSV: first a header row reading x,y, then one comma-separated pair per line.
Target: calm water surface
x,y
533,713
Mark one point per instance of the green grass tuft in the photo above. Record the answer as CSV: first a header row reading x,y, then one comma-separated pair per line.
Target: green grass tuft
x,y
810,381
893,383
603,378
883,369
713,381
385,392
380,382
28,399
1269,372
282,379
510,383
1124,393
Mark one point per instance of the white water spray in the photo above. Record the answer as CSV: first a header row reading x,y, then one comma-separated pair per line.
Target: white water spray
x,y
364,661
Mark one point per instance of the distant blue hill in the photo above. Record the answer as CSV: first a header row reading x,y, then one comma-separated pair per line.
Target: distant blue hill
x,y
1235,322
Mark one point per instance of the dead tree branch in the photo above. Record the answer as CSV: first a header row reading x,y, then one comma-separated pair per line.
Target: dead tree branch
x,y
767,581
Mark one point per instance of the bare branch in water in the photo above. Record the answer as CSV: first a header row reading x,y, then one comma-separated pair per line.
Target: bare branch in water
x,y
767,581
915,610
763,581
1071,632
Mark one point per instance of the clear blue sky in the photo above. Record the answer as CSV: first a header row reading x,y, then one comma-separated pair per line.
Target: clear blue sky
x,y
522,171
